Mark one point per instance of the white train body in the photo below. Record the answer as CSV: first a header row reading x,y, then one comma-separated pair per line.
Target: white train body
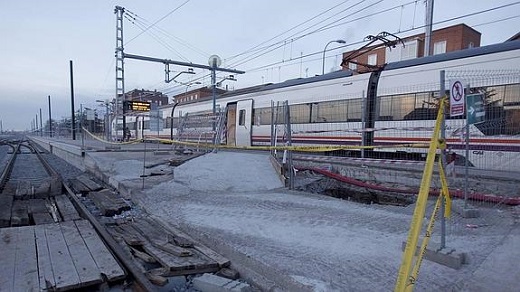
x,y
386,108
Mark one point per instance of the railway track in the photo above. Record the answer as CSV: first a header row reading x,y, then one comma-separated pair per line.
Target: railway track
x,y
69,249
43,199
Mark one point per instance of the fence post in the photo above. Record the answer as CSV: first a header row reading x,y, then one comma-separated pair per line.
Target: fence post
x,y
443,157
288,136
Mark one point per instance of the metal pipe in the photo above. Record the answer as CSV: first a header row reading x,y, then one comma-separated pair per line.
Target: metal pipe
x,y
167,61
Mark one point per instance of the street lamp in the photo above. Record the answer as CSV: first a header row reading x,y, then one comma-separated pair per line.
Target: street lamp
x,y
325,49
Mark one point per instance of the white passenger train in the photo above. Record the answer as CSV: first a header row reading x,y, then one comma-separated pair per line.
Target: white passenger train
x,y
391,106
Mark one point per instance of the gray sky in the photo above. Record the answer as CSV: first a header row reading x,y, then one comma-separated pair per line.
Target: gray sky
x,y
40,37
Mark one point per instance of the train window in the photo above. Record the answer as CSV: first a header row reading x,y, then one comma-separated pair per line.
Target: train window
x,y
512,95
242,117
385,107
262,116
300,113
354,108
402,105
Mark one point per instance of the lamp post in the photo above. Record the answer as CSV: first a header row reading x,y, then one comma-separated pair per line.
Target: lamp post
x,y
325,49
188,85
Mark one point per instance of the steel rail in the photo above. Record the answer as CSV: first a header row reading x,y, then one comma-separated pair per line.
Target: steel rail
x,y
9,167
127,264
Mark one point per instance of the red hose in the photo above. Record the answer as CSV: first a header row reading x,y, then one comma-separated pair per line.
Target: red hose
x,y
453,193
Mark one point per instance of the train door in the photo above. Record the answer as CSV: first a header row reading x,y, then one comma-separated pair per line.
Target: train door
x,y
231,124
139,127
244,116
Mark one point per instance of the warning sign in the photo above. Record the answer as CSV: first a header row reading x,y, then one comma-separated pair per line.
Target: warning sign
x,y
456,98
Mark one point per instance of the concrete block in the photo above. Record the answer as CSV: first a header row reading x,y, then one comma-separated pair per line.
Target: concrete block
x,y
447,256
213,283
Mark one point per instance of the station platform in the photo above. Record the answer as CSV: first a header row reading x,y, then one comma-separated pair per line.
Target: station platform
x,y
284,240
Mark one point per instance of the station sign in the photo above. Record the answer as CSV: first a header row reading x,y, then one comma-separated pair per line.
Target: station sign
x,y
456,98
138,106
476,111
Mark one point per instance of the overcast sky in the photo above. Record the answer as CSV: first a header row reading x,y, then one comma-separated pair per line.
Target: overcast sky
x,y
38,38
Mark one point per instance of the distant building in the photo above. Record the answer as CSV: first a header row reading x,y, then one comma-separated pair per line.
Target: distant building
x,y
196,95
448,39
147,95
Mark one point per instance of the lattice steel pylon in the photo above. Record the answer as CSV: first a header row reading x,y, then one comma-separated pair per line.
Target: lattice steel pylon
x,y
120,67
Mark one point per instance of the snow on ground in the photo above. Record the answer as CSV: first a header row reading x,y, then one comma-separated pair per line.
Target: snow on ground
x,y
323,242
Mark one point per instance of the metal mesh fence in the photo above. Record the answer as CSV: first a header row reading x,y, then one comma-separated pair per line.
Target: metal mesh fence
x,y
403,118
490,181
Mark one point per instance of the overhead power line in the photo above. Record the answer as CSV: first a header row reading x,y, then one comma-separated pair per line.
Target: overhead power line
x,y
159,20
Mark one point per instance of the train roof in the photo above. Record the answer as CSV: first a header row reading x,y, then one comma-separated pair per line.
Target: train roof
x,y
466,53
288,83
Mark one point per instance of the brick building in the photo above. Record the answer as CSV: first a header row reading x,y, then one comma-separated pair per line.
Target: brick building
x,y
448,39
147,95
196,94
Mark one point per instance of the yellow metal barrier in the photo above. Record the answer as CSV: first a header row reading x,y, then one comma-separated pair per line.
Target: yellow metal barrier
x,y
407,277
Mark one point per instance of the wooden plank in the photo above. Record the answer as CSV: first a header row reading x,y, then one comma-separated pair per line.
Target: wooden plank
x,y
20,214
6,204
85,265
158,236
66,208
173,249
179,240
37,206
142,255
105,261
8,238
128,234
89,183
26,266
42,218
108,202
177,266
221,260
78,187
46,275
65,273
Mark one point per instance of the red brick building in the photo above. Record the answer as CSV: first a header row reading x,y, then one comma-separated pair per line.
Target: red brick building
x,y
448,39
147,95
196,94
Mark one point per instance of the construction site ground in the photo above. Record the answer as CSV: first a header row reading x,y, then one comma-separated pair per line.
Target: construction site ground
x,y
280,239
